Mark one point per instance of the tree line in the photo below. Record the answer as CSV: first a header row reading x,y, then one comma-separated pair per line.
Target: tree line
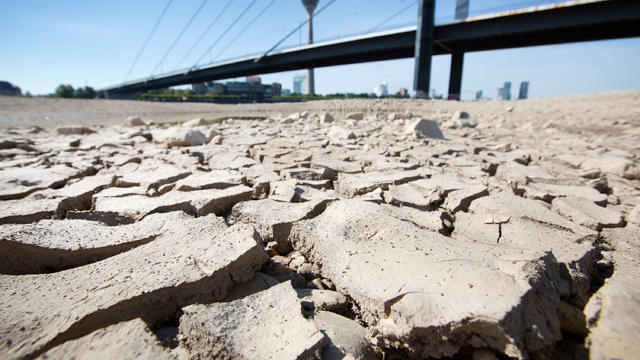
x,y
67,91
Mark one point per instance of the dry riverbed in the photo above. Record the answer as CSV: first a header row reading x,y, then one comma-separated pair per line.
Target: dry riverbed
x,y
363,229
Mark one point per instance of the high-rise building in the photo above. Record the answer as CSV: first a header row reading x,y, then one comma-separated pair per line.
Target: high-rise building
x,y
199,88
479,95
524,90
382,89
462,9
504,92
276,89
402,92
253,79
299,84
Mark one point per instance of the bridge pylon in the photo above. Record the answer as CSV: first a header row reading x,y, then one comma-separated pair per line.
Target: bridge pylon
x,y
423,49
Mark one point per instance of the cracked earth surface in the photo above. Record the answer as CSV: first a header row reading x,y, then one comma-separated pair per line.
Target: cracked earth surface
x,y
332,229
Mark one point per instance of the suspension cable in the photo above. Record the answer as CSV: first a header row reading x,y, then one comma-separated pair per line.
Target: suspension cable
x,y
253,21
392,17
224,33
205,32
155,27
179,36
293,32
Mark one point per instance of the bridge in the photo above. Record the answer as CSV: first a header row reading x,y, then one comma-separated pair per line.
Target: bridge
x,y
571,21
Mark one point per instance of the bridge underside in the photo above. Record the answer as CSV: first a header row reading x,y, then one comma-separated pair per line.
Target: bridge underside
x,y
583,22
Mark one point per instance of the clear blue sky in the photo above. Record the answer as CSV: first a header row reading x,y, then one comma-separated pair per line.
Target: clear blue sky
x,y
90,42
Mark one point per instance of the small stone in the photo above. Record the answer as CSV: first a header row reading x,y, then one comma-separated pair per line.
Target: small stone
x,y
177,136
326,118
355,116
74,130
212,132
195,122
291,118
463,119
336,133
281,259
423,128
397,116
328,300
306,270
132,121
345,335
296,262
216,139
271,248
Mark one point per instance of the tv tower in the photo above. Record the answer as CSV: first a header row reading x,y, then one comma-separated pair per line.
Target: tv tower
x,y
310,6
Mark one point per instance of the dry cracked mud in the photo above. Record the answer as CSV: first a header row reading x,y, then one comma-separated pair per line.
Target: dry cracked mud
x,y
376,229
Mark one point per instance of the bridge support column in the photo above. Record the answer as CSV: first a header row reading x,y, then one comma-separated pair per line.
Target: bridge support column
x,y
423,49
455,75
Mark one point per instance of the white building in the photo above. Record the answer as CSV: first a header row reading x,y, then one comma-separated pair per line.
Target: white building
x,y
382,89
300,84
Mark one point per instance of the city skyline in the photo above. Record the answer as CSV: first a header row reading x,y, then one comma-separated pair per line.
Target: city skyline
x,y
94,44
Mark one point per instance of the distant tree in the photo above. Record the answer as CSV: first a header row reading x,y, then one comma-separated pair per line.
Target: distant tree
x,y
28,94
64,91
86,92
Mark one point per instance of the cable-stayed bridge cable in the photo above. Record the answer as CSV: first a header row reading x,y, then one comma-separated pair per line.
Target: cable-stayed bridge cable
x,y
155,27
204,33
224,33
392,17
293,31
179,35
253,21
